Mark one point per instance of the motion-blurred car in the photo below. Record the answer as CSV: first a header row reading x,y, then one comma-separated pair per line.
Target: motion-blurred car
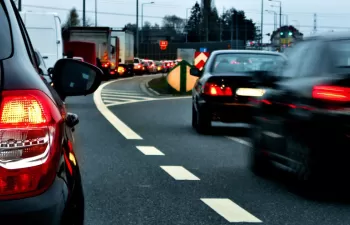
x,y
301,123
224,90
40,181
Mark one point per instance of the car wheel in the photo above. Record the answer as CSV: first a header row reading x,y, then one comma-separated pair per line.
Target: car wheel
x,y
203,122
259,163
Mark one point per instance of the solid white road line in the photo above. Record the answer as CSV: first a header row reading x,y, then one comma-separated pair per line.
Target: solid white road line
x,y
179,173
122,93
113,119
240,141
149,150
230,210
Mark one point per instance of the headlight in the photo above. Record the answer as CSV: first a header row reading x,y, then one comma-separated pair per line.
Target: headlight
x,y
253,92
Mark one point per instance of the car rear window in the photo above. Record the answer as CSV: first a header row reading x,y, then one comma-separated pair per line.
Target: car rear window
x,y
5,34
245,62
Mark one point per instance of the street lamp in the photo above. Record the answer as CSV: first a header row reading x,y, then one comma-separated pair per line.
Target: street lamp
x,y
262,20
95,13
280,9
274,18
147,3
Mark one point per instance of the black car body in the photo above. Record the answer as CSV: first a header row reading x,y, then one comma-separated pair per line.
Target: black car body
x,y
40,181
222,92
301,123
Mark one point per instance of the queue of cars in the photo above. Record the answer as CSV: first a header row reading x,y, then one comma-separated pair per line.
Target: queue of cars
x,y
298,107
148,66
40,181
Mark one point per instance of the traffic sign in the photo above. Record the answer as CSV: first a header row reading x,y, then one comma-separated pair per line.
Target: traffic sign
x,y
200,59
180,79
163,44
203,49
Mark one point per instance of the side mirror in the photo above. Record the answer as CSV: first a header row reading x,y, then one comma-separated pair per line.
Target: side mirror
x,y
74,78
195,72
37,58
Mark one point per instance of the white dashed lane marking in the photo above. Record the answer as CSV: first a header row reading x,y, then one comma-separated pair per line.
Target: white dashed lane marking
x,y
232,212
149,150
179,173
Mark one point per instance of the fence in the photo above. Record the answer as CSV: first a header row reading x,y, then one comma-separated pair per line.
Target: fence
x,y
153,51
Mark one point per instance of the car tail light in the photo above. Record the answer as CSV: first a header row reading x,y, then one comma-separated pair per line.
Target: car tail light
x,y
29,143
331,93
121,70
217,90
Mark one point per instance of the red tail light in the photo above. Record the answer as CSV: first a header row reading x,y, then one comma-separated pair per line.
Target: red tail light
x,y
331,93
29,139
216,90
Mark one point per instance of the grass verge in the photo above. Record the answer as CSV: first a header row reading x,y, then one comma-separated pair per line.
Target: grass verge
x,y
161,86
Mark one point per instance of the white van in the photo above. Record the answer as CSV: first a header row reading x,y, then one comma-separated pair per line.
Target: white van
x,y
45,32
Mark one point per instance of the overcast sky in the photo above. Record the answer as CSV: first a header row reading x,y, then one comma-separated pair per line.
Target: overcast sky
x,y
331,15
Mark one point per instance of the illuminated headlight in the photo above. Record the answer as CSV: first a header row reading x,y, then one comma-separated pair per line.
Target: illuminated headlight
x,y
253,92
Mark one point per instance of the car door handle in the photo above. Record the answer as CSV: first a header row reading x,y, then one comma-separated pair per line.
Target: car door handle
x,y
45,57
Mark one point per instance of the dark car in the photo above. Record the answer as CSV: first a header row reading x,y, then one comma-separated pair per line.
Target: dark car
x,y
225,86
301,123
40,181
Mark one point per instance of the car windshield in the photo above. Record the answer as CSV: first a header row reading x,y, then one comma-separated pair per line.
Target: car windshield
x,y
5,35
245,62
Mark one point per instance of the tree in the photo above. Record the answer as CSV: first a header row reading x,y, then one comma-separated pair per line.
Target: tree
x,y
73,19
173,22
235,21
213,25
193,26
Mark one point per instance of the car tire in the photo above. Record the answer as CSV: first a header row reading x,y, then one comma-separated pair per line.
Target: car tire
x,y
203,122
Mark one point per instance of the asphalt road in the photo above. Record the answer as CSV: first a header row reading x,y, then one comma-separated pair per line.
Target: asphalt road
x,y
143,164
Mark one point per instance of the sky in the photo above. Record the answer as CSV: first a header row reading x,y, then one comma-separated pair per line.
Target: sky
x,y
330,15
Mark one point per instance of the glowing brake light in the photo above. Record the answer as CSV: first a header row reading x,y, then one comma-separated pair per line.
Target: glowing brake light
x,y
29,143
216,90
331,93
121,70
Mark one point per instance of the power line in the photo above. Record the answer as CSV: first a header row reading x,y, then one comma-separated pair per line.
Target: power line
x,y
160,17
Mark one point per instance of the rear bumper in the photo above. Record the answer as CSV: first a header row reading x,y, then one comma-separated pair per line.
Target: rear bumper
x,y
227,112
45,209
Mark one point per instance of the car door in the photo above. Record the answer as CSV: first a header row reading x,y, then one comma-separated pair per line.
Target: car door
x,y
277,103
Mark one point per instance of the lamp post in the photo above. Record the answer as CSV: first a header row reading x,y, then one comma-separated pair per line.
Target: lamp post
x,y
262,21
274,18
280,9
137,28
95,13
146,3
187,22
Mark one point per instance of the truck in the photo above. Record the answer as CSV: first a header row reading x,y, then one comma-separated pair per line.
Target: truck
x,y
107,51
126,51
44,30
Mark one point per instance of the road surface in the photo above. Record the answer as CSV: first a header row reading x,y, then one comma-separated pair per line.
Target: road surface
x,y
142,163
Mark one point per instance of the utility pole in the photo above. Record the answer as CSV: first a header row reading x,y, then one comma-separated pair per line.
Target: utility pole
x,y
19,5
315,23
137,28
236,29
280,14
84,9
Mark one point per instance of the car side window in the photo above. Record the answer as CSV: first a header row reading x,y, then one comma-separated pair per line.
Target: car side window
x,y
311,63
26,38
295,60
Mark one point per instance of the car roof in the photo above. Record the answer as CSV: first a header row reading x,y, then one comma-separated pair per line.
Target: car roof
x,y
329,36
